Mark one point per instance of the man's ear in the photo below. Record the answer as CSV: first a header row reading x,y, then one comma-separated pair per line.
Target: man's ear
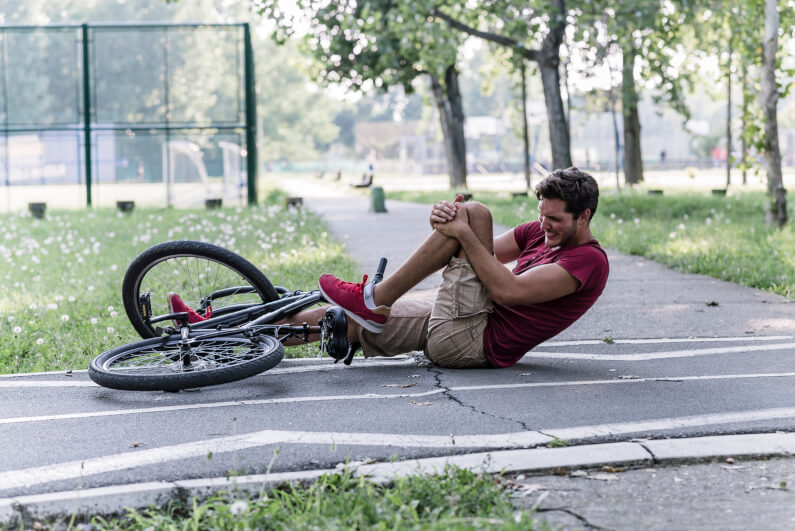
x,y
585,216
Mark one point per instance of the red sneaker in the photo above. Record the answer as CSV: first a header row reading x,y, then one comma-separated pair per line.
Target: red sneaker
x,y
177,305
350,297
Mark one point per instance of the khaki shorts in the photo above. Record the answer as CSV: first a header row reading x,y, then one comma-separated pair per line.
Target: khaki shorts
x,y
448,328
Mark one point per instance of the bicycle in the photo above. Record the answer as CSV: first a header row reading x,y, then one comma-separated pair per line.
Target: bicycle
x,y
238,336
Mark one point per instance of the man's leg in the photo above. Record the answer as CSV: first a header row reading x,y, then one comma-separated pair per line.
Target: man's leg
x,y
434,253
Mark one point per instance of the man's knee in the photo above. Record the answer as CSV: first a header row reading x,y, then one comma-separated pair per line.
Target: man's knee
x,y
481,222
478,213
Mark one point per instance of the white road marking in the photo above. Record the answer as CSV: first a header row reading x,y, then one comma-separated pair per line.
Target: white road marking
x,y
382,396
200,449
408,361
660,355
663,340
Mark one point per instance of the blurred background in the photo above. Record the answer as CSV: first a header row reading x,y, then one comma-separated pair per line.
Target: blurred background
x,y
167,118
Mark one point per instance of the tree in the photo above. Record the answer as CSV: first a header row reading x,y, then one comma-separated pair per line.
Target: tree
x,y
533,31
763,81
777,196
646,34
381,43
293,118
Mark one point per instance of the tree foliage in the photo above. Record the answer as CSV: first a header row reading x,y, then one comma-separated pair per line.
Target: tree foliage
x,y
378,44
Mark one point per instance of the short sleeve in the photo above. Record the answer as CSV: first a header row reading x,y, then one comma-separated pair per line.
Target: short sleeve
x,y
525,232
588,264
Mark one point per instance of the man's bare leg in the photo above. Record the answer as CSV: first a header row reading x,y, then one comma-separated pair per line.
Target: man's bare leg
x,y
434,253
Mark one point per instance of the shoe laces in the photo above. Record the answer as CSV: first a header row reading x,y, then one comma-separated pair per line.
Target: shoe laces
x,y
352,286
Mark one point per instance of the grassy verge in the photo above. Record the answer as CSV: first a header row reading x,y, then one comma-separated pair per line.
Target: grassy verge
x,y
723,237
457,499
62,275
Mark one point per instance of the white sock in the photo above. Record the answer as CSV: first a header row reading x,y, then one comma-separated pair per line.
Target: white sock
x,y
368,296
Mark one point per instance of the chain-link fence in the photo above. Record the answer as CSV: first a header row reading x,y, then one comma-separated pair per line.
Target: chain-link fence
x,y
160,114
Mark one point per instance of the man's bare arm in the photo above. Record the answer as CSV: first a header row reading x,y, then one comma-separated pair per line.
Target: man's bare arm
x,y
539,284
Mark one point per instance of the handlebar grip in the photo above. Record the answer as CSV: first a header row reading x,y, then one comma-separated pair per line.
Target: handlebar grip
x,y
379,273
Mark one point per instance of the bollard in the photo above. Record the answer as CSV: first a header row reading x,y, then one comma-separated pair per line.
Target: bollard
x,y
377,199
125,206
37,209
295,202
212,203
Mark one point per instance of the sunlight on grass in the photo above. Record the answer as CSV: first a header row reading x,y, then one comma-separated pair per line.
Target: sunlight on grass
x,y
62,275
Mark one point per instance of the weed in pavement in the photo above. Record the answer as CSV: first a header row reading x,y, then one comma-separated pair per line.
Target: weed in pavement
x,y
456,499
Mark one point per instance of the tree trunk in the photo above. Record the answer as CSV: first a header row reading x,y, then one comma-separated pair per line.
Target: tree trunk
x,y
729,111
616,137
451,118
525,132
744,123
777,195
633,161
548,59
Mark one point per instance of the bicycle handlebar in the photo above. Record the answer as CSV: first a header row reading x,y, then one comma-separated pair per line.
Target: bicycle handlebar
x,y
379,272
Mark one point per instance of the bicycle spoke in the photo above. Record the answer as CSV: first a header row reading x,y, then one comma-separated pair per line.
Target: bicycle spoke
x,y
168,358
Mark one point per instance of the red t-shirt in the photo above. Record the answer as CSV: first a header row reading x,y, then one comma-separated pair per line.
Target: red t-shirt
x,y
514,330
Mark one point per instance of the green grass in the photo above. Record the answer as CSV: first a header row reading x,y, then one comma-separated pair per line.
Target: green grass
x,y
62,275
723,237
457,499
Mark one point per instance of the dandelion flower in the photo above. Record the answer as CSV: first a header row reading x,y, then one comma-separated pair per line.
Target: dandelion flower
x,y
40,341
110,329
72,298
94,320
64,318
238,507
17,329
52,306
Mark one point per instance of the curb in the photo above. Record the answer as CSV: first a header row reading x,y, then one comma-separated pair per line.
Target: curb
x,y
114,499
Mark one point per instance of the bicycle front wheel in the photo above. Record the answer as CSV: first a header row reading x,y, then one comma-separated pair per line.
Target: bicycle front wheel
x,y
210,279
171,363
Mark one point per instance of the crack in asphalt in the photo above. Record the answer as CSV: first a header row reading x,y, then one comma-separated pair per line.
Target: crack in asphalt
x,y
572,513
437,374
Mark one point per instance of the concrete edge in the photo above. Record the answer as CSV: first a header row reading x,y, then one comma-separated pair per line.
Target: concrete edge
x,y
115,499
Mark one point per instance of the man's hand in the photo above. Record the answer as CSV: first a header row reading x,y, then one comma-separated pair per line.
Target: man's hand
x,y
453,227
444,211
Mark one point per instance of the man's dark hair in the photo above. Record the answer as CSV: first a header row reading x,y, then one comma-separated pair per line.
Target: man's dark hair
x,y
574,187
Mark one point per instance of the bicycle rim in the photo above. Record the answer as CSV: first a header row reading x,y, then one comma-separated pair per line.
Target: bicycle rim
x,y
172,364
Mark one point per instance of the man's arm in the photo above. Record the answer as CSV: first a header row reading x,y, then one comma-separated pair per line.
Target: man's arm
x,y
539,284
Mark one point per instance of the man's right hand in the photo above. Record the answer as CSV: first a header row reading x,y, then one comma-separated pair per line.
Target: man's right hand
x,y
444,211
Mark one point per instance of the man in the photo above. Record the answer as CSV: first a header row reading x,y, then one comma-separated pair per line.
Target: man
x,y
484,315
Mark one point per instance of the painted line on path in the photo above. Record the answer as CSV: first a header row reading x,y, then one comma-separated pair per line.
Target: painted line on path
x,y
200,449
401,360
663,340
381,396
660,355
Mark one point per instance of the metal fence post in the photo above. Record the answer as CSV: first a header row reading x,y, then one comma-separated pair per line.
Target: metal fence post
x,y
87,113
251,117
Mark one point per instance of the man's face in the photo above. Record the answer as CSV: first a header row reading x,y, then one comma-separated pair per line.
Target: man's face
x,y
559,226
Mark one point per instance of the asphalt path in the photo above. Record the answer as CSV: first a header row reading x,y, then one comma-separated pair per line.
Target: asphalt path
x,y
661,354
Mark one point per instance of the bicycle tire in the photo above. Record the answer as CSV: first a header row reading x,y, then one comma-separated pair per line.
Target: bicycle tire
x,y
154,364
228,268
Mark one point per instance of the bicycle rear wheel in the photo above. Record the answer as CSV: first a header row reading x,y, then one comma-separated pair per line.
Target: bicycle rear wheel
x,y
171,364
207,277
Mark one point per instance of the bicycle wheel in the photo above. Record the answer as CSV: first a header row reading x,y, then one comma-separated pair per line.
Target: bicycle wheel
x,y
207,277
170,363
